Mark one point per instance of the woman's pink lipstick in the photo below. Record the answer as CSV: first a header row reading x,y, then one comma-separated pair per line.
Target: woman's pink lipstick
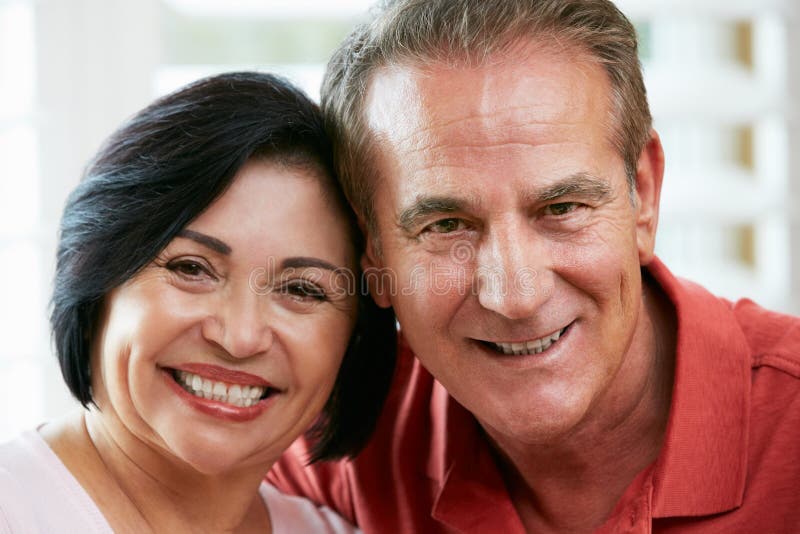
x,y
222,410
222,374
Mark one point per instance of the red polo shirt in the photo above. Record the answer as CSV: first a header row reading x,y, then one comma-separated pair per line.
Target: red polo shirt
x,y
730,461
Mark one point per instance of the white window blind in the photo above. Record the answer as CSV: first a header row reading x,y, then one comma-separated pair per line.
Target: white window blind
x,y
718,77
22,316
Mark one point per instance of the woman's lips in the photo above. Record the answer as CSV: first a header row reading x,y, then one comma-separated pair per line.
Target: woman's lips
x,y
222,405
222,374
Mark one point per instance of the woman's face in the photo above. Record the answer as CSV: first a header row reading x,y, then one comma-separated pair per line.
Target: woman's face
x,y
225,348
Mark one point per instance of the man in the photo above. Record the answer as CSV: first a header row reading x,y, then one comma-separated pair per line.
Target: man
x,y
501,158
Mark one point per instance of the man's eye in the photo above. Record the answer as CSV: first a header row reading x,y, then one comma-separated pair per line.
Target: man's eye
x,y
561,208
445,226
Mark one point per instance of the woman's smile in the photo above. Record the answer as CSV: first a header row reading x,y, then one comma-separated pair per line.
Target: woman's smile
x,y
233,402
222,384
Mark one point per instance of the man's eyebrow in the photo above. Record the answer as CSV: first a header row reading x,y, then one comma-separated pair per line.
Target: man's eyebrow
x,y
206,240
426,206
580,184
301,262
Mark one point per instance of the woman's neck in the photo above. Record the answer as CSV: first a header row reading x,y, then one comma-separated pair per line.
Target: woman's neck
x,y
139,488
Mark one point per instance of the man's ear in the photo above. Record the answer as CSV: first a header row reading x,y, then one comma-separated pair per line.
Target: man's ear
x,y
649,177
377,277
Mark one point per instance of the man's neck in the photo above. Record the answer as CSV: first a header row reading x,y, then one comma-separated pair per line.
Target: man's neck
x,y
573,483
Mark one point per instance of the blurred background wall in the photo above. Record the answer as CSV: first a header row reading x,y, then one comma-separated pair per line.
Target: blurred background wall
x,y
723,78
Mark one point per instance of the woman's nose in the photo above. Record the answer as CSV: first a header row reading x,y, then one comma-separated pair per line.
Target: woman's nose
x,y
240,324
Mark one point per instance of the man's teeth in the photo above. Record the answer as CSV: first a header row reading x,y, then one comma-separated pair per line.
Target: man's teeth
x,y
238,395
529,347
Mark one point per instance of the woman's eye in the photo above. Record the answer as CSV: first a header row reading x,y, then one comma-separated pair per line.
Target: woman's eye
x,y
305,291
189,269
445,226
561,208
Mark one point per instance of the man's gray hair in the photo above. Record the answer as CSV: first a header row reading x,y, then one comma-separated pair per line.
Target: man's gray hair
x,y
408,32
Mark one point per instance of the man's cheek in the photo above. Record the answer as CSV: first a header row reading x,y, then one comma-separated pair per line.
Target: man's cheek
x,y
433,279
577,257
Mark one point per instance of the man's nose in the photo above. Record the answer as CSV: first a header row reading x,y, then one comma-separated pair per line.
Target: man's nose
x,y
513,274
241,324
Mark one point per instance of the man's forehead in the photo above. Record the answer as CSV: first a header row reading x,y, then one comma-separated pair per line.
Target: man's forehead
x,y
527,90
436,122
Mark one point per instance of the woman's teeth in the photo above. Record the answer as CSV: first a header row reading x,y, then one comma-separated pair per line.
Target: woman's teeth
x,y
529,347
235,394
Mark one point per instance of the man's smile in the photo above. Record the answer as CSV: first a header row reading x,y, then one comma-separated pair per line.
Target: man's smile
x,y
533,346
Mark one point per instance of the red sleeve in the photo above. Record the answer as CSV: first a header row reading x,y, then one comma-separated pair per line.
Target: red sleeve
x,y
325,483
388,487
774,338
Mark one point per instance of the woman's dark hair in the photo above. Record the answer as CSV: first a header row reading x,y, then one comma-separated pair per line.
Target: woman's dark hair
x,y
161,170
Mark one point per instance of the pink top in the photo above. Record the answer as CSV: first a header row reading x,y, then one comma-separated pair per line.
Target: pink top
x,y
38,494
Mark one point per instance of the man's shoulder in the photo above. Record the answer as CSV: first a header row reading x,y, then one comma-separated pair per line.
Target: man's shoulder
x,y
407,416
770,339
773,337
323,482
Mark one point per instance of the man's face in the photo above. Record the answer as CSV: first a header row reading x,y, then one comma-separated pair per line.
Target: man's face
x,y
505,218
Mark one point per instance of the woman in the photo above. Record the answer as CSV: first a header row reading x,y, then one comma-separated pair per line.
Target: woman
x,y
204,300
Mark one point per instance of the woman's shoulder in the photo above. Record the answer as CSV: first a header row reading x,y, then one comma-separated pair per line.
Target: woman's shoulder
x,y
24,482
290,513
26,461
39,494
15,513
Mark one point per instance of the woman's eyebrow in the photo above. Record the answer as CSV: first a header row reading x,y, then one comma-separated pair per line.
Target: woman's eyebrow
x,y
206,240
301,262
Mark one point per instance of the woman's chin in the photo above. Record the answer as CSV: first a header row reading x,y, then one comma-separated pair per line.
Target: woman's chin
x,y
211,462
216,457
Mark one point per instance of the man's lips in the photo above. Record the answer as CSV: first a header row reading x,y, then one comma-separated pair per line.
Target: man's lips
x,y
527,346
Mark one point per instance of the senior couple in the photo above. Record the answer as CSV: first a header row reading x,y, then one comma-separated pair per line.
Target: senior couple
x,y
601,394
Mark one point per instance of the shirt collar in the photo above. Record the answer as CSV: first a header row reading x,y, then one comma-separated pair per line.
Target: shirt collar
x,y
472,496
702,466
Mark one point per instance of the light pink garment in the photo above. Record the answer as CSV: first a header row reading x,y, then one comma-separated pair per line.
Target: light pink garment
x,y
38,494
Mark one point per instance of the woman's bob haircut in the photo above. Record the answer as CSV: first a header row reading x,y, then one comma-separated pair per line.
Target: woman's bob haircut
x,y
156,174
